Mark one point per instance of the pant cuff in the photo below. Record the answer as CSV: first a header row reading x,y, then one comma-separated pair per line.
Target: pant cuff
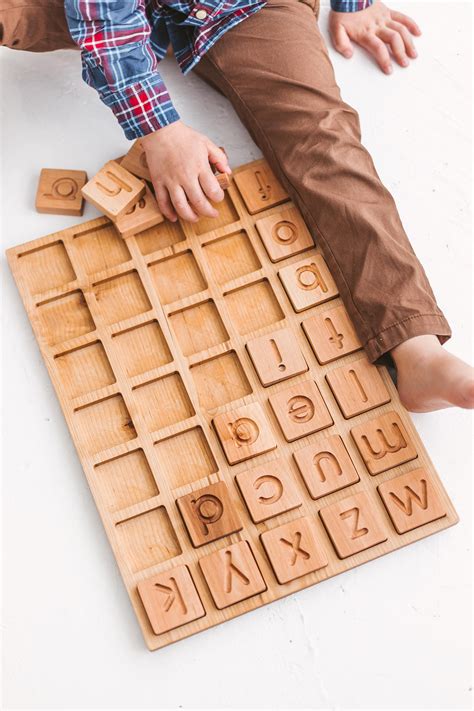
x,y
417,325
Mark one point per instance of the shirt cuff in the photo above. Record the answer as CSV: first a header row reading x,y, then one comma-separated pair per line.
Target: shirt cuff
x,y
141,108
350,5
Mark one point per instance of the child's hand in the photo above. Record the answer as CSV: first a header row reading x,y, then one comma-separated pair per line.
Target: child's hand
x,y
179,161
374,28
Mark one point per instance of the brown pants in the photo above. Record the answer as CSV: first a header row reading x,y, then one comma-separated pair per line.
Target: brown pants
x,y
275,69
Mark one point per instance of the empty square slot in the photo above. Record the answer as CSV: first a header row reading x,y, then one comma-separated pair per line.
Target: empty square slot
x,y
101,248
227,215
84,369
121,297
160,236
198,328
220,380
231,257
253,307
65,317
104,424
163,402
142,348
46,267
185,458
147,539
177,277
124,481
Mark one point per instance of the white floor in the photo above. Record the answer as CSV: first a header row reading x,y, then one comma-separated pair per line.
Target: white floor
x,y
392,634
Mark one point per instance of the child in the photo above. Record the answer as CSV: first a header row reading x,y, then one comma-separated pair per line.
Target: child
x,y
269,58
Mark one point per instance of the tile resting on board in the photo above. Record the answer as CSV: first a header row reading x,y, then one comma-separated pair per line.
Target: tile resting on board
x,y
238,445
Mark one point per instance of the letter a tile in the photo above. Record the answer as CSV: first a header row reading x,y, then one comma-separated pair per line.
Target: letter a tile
x,y
357,387
170,599
232,574
294,549
308,282
268,490
412,500
353,524
383,443
209,514
244,433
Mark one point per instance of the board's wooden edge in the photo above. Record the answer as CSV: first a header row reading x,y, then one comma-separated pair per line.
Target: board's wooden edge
x,y
154,642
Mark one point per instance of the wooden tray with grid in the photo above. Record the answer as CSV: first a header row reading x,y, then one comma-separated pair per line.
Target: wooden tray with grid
x,y
238,444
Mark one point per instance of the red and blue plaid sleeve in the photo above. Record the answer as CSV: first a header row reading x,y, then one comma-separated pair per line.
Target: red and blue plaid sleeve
x,y
350,5
118,61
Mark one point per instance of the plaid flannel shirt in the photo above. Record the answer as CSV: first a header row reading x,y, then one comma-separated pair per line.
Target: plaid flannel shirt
x,y
122,42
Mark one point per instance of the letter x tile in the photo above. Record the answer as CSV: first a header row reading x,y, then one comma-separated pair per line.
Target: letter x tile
x,y
232,574
300,410
412,500
294,549
209,514
353,524
276,356
244,433
268,490
170,599
383,443
308,282
357,387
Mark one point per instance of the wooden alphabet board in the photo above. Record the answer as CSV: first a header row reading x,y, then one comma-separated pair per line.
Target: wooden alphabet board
x,y
237,442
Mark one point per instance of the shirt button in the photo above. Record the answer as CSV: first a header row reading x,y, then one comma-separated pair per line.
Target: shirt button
x,y
201,14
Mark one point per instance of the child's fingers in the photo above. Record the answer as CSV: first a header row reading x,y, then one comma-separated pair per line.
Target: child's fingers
x,y
407,21
164,202
397,46
406,37
218,158
379,50
181,204
210,186
198,200
341,41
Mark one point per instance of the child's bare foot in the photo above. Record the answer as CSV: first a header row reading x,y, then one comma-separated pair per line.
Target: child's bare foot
x,y
430,378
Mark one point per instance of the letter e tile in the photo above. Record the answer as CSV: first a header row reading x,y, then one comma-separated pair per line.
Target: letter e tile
x,y
170,599
232,574
353,524
276,356
209,514
268,490
244,433
293,549
412,500
357,387
383,443
300,410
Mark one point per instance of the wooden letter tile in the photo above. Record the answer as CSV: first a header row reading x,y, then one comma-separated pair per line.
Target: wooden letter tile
x,y
259,187
170,599
331,334
268,490
300,410
412,500
353,524
59,192
357,387
135,161
308,283
209,514
383,443
294,550
141,216
326,466
232,574
113,190
244,433
284,234
276,356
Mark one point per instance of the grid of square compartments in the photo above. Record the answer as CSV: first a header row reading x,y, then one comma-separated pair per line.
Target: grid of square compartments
x,y
238,444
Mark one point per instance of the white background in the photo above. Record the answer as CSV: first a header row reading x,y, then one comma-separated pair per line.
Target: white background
x,y
394,633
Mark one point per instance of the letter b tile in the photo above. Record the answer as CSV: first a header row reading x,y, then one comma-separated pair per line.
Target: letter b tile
x,y
209,514
293,549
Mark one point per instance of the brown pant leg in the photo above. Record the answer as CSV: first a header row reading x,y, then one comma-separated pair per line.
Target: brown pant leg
x,y
275,69
38,26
